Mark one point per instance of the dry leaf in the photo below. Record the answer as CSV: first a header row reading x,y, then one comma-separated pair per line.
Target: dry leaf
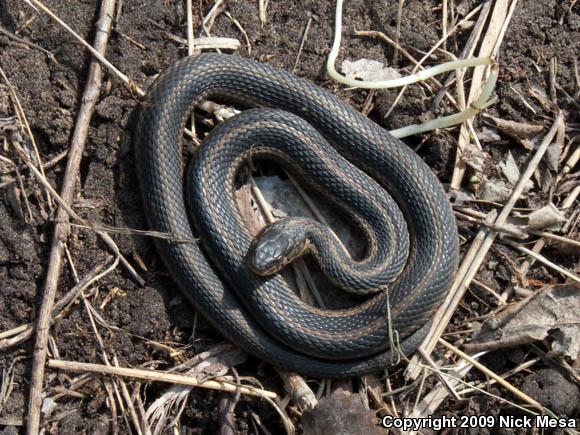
x,y
539,94
487,134
568,184
494,190
545,217
544,178
474,157
540,219
510,169
520,131
551,312
554,151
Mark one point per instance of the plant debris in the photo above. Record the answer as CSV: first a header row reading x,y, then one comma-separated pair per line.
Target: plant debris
x,y
551,313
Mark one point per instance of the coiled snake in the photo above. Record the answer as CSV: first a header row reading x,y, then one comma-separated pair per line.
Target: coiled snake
x,y
294,124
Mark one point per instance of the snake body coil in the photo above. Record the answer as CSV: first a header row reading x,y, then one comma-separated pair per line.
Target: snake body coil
x,y
261,314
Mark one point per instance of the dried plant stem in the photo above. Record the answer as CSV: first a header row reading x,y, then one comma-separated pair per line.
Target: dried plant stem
x,y
493,375
97,228
302,42
158,376
262,5
437,371
23,119
190,46
524,366
90,97
489,47
444,18
544,260
467,50
242,31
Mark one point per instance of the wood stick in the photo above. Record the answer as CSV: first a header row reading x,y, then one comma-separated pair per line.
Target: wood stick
x,y
158,376
89,101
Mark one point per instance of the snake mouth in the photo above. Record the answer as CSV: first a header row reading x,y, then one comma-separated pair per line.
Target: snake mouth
x,y
262,266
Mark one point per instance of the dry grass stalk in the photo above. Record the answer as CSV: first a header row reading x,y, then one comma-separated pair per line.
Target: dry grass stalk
x,y
466,52
190,46
23,120
493,375
489,46
523,366
158,376
419,64
444,20
429,404
433,365
190,37
302,42
262,5
544,260
242,31
215,43
71,213
159,414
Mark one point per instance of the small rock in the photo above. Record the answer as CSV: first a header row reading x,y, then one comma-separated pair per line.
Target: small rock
x,y
340,414
368,70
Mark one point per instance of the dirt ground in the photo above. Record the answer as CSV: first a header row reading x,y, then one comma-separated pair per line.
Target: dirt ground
x,y
50,94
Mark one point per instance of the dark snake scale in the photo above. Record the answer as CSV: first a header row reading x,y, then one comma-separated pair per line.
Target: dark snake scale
x,y
389,192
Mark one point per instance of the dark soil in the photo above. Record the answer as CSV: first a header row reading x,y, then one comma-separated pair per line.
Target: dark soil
x,y
50,94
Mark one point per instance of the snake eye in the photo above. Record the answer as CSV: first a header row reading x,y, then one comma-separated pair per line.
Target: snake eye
x,y
275,247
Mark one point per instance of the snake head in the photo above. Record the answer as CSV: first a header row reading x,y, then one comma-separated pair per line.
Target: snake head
x,y
276,246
